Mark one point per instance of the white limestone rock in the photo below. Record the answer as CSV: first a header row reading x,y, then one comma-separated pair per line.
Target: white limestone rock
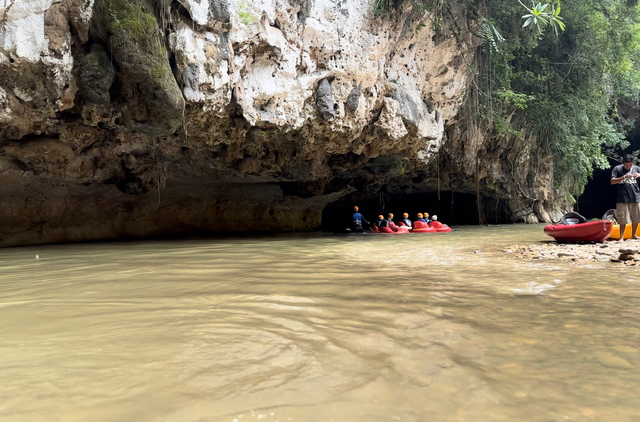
x,y
267,57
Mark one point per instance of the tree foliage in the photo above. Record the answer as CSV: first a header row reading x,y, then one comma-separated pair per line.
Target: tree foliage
x,y
558,78
542,15
565,86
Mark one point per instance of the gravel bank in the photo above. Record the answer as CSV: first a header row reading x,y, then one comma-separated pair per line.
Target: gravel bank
x,y
625,253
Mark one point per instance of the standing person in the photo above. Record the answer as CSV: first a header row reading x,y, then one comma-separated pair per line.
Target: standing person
x,y
625,176
357,220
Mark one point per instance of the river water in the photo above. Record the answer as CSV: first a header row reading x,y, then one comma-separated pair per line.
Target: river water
x,y
316,327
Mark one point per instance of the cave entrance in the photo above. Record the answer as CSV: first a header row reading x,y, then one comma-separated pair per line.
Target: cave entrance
x,y
599,195
451,208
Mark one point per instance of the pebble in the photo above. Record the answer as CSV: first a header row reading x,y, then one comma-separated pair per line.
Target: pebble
x,y
568,254
629,251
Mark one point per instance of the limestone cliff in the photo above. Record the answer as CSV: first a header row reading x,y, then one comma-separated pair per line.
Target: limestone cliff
x,y
127,118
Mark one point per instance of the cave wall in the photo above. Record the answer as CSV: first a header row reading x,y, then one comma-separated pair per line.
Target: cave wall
x,y
117,117
509,168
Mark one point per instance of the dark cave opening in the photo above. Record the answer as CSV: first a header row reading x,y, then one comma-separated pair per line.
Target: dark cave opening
x,y
600,195
452,208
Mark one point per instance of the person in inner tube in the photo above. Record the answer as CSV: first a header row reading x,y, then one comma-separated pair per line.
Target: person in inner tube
x,y
357,220
420,222
381,222
391,224
436,224
626,176
426,217
405,220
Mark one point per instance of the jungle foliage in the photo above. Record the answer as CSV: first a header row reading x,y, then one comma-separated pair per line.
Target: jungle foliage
x,y
565,85
555,72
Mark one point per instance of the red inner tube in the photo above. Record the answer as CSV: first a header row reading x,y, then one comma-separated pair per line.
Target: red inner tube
x,y
425,230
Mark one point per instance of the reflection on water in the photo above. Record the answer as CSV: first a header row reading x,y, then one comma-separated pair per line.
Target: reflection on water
x,y
316,328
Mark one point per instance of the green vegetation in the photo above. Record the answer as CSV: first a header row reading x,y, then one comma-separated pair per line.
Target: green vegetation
x,y
245,16
542,15
563,86
133,31
557,81
130,31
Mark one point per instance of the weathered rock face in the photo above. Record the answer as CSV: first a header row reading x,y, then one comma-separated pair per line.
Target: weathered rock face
x,y
140,117
512,169
508,173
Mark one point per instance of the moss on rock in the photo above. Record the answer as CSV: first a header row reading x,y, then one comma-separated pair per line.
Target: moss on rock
x,y
130,29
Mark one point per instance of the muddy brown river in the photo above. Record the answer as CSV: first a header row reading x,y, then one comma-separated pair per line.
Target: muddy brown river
x,y
316,327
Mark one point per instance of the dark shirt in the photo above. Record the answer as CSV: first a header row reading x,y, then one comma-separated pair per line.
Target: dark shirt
x,y
358,219
407,222
383,223
628,190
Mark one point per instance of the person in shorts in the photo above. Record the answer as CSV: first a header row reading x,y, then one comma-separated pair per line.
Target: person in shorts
x,y
625,176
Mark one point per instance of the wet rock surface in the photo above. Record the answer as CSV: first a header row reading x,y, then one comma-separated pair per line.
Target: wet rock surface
x,y
319,101
627,252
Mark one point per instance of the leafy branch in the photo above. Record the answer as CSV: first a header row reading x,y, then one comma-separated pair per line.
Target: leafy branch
x,y
540,16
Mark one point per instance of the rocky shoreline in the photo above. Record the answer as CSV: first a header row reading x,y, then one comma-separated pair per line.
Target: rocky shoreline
x,y
627,253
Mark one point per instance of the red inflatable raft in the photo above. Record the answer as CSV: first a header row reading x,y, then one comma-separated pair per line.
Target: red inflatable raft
x,y
425,230
387,230
596,231
440,228
420,227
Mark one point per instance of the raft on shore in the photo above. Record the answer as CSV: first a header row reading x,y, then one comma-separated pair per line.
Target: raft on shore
x,y
573,227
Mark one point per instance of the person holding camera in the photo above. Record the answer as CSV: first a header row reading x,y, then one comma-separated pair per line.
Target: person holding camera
x,y
626,176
